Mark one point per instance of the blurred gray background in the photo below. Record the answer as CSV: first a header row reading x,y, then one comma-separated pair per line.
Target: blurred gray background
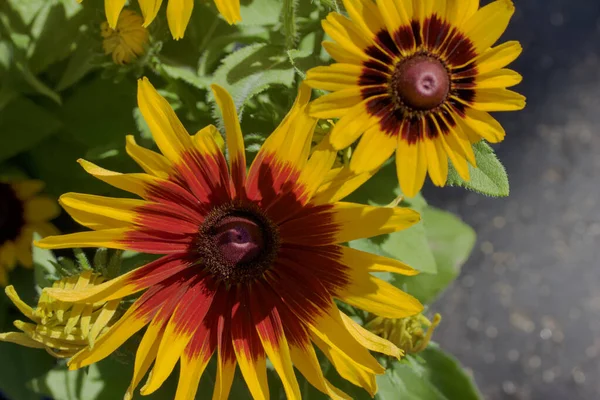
x,y
524,316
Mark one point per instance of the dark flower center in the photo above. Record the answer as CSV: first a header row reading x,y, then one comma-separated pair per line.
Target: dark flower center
x,y
420,83
237,243
12,219
239,239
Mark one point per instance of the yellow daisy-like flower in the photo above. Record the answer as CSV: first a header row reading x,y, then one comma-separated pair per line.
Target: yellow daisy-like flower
x,y
252,260
128,40
62,329
417,77
179,12
22,212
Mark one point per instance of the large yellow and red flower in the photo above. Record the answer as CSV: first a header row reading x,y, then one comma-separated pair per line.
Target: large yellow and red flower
x,y
253,260
418,78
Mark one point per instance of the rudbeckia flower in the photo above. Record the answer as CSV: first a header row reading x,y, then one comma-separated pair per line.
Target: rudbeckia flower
x,y
417,78
128,40
178,12
62,329
22,212
252,259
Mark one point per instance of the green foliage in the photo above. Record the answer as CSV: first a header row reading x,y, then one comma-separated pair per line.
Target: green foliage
x,y
488,178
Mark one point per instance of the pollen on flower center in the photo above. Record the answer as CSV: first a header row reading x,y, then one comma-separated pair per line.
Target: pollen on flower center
x,y
11,213
237,243
420,83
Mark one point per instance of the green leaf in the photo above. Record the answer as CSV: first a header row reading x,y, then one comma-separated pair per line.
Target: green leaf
x,y
438,376
21,364
81,62
260,12
451,241
99,112
253,69
446,374
488,178
22,125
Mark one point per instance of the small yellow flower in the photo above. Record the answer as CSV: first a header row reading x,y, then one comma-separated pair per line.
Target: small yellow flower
x,y
22,212
128,40
411,334
61,328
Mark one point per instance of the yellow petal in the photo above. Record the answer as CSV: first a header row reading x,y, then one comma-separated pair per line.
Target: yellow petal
x,y
498,100
113,8
179,13
437,161
305,360
335,104
341,55
346,34
40,209
395,13
151,162
26,189
370,340
334,77
149,10
21,339
99,212
235,140
168,132
366,15
111,238
378,297
498,57
482,124
368,262
230,10
374,148
486,26
360,221
460,11
500,78
133,183
339,183
411,166
190,373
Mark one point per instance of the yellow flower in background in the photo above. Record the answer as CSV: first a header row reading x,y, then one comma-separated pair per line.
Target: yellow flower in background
x,y
128,40
417,78
251,260
178,12
411,334
22,212
62,329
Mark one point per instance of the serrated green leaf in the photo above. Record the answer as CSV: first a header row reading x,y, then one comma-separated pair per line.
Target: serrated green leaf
x,y
253,69
22,125
451,242
488,178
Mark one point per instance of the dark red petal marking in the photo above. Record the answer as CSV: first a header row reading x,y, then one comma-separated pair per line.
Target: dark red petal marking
x,y
238,179
373,91
412,131
157,242
371,77
163,217
313,226
405,38
243,332
174,195
220,316
206,176
436,31
194,304
416,31
458,49
274,187
159,270
265,299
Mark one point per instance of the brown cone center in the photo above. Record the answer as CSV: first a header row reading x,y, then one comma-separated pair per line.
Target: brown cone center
x,y
421,82
239,240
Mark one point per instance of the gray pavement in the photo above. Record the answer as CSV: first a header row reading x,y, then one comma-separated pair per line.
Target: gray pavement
x,y
524,316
